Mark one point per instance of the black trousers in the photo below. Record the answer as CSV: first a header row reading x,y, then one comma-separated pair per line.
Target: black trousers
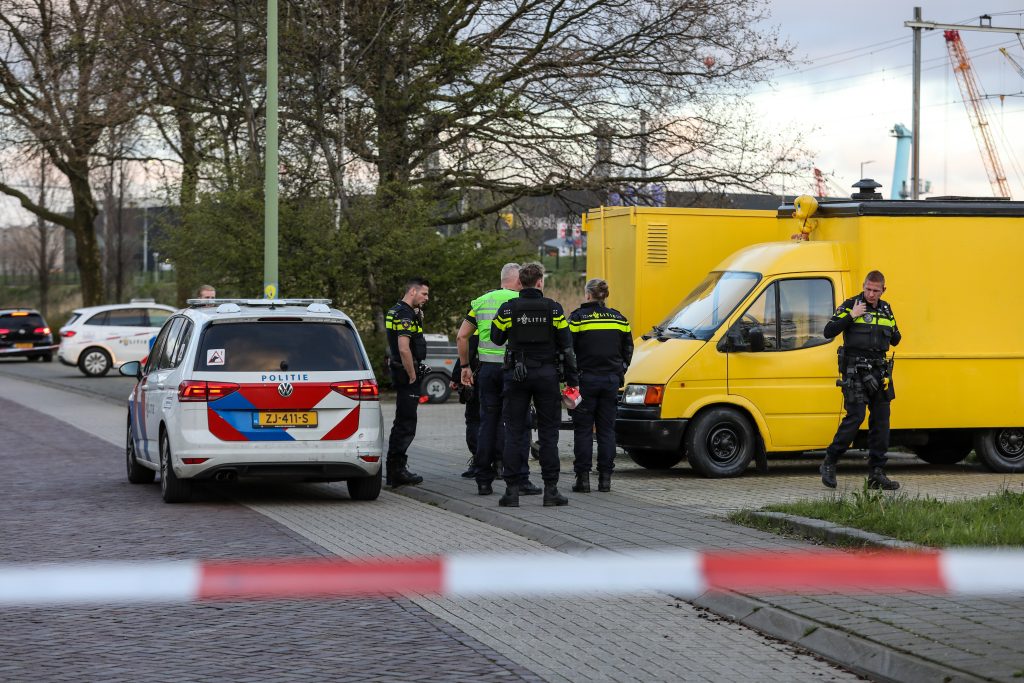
x,y
472,415
490,382
541,386
878,428
403,430
600,396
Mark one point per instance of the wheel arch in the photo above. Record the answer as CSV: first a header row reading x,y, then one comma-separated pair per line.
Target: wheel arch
x,y
747,408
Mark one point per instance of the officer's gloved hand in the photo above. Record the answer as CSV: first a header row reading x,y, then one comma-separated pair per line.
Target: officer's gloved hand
x,y
519,372
871,383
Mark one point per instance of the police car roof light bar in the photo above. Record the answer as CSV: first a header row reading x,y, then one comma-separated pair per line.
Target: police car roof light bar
x,y
195,303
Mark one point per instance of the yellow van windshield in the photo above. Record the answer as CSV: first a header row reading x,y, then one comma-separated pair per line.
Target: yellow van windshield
x,y
708,306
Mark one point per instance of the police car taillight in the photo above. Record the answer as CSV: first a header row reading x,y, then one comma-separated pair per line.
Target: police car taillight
x,y
197,390
67,334
358,390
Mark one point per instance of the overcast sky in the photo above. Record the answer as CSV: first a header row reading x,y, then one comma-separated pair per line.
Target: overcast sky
x,y
853,83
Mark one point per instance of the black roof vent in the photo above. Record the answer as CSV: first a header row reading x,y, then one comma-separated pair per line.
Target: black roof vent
x,y
866,189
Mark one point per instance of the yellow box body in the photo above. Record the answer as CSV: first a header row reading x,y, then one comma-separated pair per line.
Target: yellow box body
x,y
652,257
954,283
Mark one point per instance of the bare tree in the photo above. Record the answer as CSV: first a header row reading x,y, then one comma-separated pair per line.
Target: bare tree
x,y
65,78
513,98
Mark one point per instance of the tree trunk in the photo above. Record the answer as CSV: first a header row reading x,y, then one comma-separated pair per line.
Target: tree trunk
x,y
87,249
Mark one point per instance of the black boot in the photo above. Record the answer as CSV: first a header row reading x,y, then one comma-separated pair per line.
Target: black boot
x,y
604,482
582,484
878,480
470,472
483,488
511,497
828,473
528,488
403,477
552,497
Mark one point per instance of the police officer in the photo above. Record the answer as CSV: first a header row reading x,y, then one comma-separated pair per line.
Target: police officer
x,y
490,381
869,328
536,331
408,348
603,342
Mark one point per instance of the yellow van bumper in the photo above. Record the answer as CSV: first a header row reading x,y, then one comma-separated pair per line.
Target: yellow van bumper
x,y
643,429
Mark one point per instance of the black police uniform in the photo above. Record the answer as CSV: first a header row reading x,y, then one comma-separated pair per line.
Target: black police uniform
x,y
865,378
535,330
403,321
603,342
470,397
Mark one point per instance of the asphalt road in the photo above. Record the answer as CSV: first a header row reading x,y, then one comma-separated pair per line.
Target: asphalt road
x,y
56,374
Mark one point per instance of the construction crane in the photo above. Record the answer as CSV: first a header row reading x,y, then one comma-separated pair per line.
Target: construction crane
x,y
971,93
819,183
1016,65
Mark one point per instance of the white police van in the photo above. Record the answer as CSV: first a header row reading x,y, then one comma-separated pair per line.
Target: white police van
x,y
237,389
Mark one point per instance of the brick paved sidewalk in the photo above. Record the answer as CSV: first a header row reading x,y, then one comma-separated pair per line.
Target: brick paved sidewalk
x,y
901,637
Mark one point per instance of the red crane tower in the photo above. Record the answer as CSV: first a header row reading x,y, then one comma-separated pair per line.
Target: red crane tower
x,y
971,93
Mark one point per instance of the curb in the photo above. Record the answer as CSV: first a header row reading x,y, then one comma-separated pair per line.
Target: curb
x,y
847,649
830,532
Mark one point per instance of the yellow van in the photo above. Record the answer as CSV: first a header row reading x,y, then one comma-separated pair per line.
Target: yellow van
x,y
740,368
651,256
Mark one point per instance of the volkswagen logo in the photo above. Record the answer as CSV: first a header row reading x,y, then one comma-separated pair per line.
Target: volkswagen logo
x,y
285,389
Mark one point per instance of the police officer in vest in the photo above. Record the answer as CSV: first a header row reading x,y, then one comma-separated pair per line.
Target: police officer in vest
x,y
869,328
536,331
407,349
489,380
603,342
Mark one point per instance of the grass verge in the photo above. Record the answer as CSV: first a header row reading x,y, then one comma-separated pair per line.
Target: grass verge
x,y
995,520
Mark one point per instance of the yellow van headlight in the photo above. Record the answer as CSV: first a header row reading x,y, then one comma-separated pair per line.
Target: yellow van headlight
x,y
643,394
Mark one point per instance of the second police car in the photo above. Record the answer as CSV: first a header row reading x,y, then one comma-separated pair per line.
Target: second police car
x,y
255,389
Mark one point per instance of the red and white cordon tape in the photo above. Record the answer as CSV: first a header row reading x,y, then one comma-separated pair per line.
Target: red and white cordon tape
x,y
682,573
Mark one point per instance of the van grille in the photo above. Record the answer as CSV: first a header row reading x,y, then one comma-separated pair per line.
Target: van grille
x,y
657,243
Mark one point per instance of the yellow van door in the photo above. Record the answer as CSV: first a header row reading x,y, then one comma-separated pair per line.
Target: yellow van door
x,y
784,365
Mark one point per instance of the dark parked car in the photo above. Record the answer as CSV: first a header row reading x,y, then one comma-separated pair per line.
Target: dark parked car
x,y
24,333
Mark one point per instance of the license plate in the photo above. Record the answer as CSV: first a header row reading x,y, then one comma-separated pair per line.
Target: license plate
x,y
281,418
23,345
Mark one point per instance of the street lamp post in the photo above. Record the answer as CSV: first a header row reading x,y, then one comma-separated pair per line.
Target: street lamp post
x,y
145,241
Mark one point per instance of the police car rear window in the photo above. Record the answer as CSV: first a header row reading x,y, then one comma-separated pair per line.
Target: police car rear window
x,y
273,346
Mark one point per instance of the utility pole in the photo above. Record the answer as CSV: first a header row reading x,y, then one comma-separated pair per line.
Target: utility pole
x,y
984,25
270,159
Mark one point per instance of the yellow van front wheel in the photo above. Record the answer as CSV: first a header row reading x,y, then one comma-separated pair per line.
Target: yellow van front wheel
x,y
720,442
1001,449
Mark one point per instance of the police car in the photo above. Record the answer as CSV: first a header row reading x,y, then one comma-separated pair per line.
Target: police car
x,y
240,389
98,338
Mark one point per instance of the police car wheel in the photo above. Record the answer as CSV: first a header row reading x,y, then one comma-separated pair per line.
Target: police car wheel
x,y
437,388
1001,449
945,449
720,442
137,474
365,488
172,489
655,460
94,362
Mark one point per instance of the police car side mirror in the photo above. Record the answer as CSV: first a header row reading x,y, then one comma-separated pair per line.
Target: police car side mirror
x,y
131,369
